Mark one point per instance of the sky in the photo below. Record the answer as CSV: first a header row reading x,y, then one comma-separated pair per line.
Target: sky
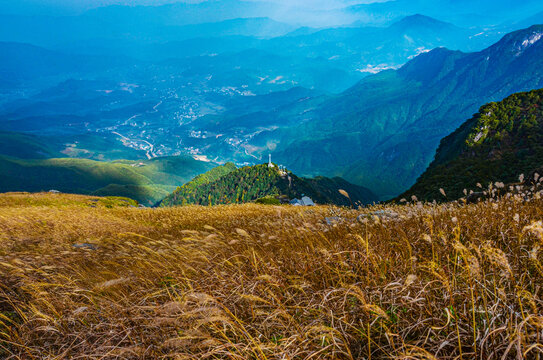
x,y
69,7
62,7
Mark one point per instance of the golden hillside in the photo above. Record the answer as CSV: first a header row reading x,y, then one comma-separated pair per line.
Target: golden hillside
x,y
265,282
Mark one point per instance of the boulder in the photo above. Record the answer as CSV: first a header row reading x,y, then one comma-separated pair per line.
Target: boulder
x,y
85,246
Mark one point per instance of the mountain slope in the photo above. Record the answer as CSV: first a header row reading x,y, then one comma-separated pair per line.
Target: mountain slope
x,y
21,61
210,176
144,181
255,182
25,146
499,143
383,132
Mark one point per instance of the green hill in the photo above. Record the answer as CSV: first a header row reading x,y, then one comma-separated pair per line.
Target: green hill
x,y
210,176
25,146
501,142
228,185
146,181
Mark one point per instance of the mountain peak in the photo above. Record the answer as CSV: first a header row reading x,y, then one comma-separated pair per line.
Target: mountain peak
x,y
433,62
419,20
519,41
528,40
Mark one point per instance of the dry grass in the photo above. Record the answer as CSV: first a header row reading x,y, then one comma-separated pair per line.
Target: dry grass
x,y
259,282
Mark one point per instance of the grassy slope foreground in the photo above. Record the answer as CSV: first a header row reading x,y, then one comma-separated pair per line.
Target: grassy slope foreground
x,y
264,282
228,185
501,142
147,184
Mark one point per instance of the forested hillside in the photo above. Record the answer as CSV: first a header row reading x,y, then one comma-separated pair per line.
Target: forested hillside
x,y
255,182
500,143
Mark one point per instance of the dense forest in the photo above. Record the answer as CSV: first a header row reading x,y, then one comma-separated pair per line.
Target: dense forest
x,y
223,185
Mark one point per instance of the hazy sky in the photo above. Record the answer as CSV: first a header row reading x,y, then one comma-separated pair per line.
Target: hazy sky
x,y
76,6
67,6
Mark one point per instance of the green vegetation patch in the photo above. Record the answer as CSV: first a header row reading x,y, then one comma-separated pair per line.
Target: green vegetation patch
x,y
252,183
268,200
501,142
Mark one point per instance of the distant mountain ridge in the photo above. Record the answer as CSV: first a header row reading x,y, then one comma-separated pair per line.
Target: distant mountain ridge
x,y
22,62
421,21
91,41
383,132
463,12
501,142
229,185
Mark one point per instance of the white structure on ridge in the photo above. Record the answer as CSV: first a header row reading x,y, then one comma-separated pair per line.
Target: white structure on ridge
x,y
282,170
270,165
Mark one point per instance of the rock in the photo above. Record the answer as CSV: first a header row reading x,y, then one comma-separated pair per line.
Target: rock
x,y
333,220
85,246
363,217
381,214
304,201
296,202
386,213
54,192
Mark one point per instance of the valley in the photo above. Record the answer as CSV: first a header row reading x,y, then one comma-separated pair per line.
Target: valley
x,y
234,77
238,98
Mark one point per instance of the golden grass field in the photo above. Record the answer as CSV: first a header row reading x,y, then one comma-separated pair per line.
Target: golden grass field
x,y
267,282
